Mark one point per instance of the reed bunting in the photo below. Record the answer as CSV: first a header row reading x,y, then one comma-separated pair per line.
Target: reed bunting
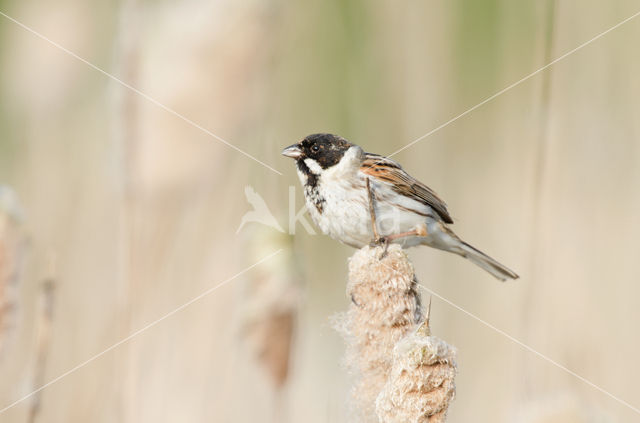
x,y
358,197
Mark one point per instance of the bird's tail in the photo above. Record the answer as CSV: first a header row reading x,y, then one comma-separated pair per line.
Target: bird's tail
x,y
479,258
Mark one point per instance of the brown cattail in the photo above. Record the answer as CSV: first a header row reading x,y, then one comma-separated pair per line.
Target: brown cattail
x,y
385,306
402,373
421,384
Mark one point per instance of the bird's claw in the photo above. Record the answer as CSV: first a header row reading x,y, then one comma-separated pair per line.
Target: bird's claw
x,y
353,300
376,242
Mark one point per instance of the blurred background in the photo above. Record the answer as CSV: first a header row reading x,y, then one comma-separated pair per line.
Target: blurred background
x,y
115,212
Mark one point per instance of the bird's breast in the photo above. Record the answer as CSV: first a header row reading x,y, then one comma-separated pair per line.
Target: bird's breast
x,y
340,208
343,213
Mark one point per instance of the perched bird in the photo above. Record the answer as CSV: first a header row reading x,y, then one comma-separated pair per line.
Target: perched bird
x,y
358,197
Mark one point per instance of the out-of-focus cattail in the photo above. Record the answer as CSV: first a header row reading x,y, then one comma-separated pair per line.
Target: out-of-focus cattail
x,y
270,303
12,246
403,374
421,384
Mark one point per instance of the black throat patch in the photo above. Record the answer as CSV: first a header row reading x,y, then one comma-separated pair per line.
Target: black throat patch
x,y
312,178
311,192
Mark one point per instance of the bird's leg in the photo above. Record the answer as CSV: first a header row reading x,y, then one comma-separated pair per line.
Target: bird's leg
x,y
372,212
377,239
420,230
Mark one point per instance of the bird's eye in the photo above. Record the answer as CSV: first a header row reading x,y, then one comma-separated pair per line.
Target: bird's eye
x,y
315,148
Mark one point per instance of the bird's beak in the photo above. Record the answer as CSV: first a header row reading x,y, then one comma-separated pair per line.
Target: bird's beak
x,y
292,151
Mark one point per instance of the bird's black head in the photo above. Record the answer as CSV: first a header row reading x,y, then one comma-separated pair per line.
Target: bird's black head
x,y
325,149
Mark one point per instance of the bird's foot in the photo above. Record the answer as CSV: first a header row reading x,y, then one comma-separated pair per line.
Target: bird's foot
x,y
381,241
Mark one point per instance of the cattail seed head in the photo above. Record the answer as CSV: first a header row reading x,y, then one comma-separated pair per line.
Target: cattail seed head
x,y
403,374
421,384
385,306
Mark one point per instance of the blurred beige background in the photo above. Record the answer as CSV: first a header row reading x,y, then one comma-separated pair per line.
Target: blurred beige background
x,y
132,211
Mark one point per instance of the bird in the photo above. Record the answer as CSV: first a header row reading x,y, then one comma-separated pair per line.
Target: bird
x,y
361,198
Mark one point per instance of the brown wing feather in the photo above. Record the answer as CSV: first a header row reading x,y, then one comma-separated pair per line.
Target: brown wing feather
x,y
387,170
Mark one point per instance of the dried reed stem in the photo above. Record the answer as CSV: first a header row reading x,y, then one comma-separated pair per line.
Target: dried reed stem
x,y
6,302
403,374
12,252
43,341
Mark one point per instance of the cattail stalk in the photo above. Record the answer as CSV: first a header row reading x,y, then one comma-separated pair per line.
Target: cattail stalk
x,y
402,373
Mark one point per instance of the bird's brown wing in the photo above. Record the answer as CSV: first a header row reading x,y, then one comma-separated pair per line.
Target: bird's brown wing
x,y
387,170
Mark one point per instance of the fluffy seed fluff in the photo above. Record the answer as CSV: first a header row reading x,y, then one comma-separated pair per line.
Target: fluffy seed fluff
x,y
402,374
